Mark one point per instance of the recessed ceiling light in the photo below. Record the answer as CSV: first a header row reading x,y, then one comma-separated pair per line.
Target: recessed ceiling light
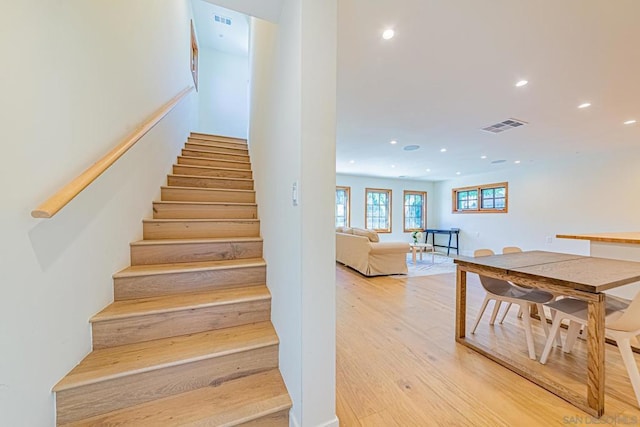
x,y
352,161
458,173
411,147
517,162
483,157
388,34
393,166
630,122
522,83
584,105
443,150
393,142
428,170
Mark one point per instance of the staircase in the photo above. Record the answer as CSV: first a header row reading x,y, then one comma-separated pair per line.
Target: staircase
x,y
188,339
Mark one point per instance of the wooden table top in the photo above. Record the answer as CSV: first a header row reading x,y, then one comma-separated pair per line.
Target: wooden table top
x,y
632,237
572,271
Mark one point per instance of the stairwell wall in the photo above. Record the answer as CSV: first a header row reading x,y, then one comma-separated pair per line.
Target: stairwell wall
x,y
223,93
292,140
77,77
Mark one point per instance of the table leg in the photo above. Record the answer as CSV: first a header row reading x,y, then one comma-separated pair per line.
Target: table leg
x,y
461,303
449,247
413,254
595,355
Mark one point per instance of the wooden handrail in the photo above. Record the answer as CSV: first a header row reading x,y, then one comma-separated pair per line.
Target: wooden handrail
x,y
72,189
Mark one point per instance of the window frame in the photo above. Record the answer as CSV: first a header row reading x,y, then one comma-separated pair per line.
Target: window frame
x,y
479,208
423,213
348,205
389,193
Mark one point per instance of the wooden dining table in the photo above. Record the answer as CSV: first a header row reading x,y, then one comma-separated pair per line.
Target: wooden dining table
x,y
581,277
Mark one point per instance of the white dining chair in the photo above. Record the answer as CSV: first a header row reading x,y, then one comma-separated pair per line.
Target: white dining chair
x,y
622,324
502,291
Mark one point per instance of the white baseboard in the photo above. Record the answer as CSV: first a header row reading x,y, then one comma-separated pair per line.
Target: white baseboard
x,y
293,422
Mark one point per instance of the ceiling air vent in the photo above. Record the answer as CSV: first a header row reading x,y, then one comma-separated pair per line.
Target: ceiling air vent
x,y
222,19
504,126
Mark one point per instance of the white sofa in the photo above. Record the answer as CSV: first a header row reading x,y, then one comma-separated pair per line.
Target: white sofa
x,y
362,250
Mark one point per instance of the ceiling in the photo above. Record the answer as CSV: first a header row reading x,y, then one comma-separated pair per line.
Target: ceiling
x,y
233,38
451,70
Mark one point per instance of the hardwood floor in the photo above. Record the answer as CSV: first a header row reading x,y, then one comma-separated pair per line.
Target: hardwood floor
x,y
399,365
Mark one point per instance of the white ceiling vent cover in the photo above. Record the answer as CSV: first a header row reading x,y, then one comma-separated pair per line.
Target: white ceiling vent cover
x,y
222,19
504,126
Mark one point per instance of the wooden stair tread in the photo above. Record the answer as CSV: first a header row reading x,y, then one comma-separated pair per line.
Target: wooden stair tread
x,y
190,241
115,362
210,135
171,202
186,267
231,403
211,143
170,220
195,150
179,302
219,160
216,168
207,189
208,177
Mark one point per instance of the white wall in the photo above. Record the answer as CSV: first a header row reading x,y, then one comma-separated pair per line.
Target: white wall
x,y
589,194
223,93
397,186
292,139
76,77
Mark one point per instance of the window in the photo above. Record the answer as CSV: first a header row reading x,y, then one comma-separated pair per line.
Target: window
x,y
343,198
378,212
415,204
481,198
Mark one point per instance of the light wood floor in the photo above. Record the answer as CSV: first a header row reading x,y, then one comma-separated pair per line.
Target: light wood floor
x,y
399,365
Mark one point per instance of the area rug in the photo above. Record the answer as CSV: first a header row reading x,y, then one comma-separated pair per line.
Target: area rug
x,y
424,267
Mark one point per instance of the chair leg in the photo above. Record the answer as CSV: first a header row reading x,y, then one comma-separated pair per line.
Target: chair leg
x,y
543,319
484,306
630,363
572,334
555,331
496,308
558,337
528,332
520,313
505,313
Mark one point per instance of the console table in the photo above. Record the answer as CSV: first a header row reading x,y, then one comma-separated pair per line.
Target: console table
x,y
451,232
